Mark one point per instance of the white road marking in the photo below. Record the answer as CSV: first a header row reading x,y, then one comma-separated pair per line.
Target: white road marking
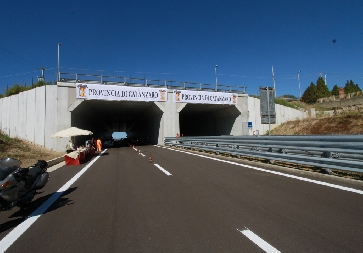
x,y
258,241
163,170
10,238
275,172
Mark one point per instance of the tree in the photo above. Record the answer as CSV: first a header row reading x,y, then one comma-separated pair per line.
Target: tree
x,y
335,90
350,87
16,89
310,95
322,89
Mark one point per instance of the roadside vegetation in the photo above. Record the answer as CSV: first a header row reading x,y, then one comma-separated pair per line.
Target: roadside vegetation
x,y
16,88
27,153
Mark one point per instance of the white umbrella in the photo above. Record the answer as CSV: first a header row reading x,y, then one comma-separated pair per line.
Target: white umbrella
x,y
72,131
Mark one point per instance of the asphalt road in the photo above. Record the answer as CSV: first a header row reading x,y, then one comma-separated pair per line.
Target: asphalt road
x,y
183,202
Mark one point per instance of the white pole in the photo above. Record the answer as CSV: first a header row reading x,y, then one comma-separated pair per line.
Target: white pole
x,y
59,44
298,78
215,72
273,79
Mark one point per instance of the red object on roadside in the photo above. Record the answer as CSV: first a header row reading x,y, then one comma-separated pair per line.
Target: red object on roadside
x,y
150,159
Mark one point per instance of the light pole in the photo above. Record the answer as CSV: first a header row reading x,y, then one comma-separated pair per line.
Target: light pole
x,y
298,78
215,72
59,44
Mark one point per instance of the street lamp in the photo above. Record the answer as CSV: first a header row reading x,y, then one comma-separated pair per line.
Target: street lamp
x,y
215,72
59,44
298,78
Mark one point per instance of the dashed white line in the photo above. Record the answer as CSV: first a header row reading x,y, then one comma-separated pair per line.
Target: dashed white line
x,y
259,241
275,172
10,238
163,170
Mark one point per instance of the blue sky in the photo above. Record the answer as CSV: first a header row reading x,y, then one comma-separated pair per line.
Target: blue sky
x,y
184,40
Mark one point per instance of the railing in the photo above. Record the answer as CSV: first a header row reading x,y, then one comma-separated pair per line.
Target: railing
x,y
134,81
329,152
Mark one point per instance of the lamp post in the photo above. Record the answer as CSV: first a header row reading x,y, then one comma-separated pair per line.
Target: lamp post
x,y
298,79
215,72
59,44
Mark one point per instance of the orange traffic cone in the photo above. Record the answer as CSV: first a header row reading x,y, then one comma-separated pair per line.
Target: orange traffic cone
x,y
150,159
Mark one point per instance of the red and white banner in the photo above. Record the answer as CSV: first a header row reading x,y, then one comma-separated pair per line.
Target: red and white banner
x,y
204,97
115,92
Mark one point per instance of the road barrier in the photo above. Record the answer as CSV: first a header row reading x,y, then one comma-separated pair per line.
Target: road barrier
x,y
343,152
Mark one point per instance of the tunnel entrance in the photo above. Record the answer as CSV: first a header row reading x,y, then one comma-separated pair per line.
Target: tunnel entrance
x,y
207,119
140,120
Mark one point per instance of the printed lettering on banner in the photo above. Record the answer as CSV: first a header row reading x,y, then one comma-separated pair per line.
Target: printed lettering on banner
x,y
204,97
114,92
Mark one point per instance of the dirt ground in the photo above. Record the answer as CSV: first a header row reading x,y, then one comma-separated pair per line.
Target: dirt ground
x,y
26,152
329,125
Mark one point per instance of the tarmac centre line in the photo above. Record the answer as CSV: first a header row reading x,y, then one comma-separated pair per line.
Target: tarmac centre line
x,y
10,238
258,241
163,170
273,172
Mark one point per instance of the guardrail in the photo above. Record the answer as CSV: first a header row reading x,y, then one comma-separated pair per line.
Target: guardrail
x,y
328,152
134,81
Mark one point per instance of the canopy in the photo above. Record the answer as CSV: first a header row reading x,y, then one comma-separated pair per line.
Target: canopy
x,y
72,131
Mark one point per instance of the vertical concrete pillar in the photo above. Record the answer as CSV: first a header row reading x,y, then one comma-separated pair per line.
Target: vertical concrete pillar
x,y
240,126
170,118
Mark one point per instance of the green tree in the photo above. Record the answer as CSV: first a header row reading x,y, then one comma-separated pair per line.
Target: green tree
x,y
16,89
335,90
310,95
322,89
351,87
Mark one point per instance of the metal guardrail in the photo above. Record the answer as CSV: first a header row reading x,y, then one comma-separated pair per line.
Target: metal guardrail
x,y
329,152
137,82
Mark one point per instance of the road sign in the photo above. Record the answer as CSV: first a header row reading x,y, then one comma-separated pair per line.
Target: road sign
x,y
249,124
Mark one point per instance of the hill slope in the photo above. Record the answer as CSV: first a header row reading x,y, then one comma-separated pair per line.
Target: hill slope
x,y
334,125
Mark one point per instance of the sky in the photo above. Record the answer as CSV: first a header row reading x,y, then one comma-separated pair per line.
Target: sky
x,y
184,41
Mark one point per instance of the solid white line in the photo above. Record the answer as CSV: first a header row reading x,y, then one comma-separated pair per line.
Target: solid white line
x,y
10,238
163,170
275,172
258,241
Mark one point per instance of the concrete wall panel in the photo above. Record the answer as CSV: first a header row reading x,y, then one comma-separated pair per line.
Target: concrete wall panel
x,y
51,117
40,115
5,117
30,112
1,113
22,116
63,115
283,114
13,109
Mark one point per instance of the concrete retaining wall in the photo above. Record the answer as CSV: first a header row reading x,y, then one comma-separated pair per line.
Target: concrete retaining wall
x,y
36,114
283,114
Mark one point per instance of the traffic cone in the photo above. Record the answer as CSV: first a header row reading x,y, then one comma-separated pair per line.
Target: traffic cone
x,y
150,159
139,152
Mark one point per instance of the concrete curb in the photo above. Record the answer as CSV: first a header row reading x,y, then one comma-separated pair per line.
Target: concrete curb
x,y
55,161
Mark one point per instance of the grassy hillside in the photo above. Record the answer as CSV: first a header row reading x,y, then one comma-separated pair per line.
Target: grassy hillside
x,y
335,125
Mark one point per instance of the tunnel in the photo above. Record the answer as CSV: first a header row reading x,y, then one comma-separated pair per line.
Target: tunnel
x,y
207,119
140,120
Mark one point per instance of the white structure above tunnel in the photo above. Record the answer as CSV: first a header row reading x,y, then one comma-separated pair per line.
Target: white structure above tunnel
x,y
36,114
